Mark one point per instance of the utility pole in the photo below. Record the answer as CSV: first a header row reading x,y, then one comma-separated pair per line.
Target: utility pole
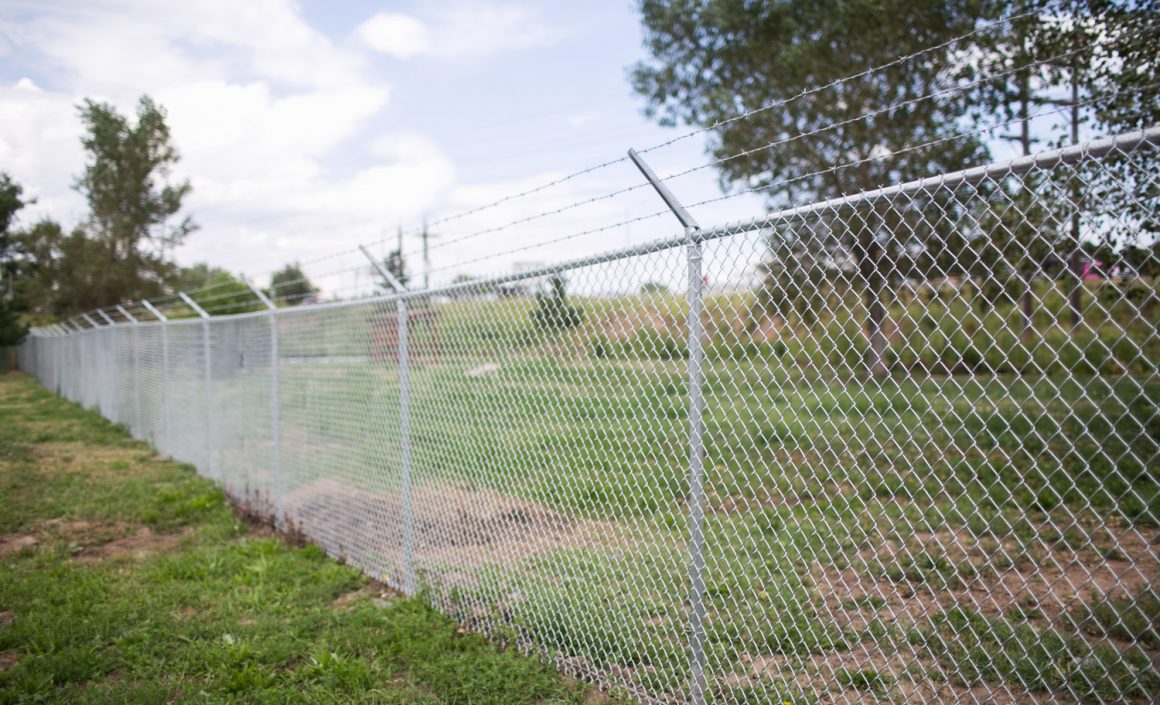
x,y
1077,264
1028,269
426,235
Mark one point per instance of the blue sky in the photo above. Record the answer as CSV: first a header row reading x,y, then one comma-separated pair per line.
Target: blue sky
x,y
310,127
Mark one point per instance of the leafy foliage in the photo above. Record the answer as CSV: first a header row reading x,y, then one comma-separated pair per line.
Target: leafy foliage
x,y
711,59
119,253
553,312
290,285
12,330
130,206
397,266
216,290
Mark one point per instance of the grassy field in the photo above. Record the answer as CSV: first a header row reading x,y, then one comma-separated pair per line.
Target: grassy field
x,y
125,578
979,524
944,535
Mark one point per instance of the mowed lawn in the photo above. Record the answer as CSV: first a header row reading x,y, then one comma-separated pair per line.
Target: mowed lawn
x,y
926,533
126,578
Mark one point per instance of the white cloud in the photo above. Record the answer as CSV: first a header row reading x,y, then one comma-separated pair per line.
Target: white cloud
x,y
397,35
245,130
282,131
581,120
40,148
463,31
118,46
263,109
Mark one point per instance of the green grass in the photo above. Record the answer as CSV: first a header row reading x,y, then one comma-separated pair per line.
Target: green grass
x,y
975,648
822,487
142,586
1135,618
865,679
801,470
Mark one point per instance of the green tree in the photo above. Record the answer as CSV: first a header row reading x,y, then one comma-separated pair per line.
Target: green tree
x,y
796,279
195,276
397,266
226,294
12,328
712,59
553,312
133,207
38,274
61,269
215,289
291,286
1096,60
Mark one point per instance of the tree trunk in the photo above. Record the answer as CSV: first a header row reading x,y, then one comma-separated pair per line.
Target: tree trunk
x,y
1076,266
874,281
1028,320
1025,139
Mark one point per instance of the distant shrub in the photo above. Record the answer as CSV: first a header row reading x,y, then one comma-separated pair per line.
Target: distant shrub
x,y
600,347
995,292
1134,292
553,312
649,343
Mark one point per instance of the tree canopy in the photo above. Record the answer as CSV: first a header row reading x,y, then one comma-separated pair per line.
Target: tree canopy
x,y
12,330
397,266
133,208
216,290
813,135
713,59
121,252
291,286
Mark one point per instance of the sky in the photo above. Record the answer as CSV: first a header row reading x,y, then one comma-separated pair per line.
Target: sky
x,y
308,128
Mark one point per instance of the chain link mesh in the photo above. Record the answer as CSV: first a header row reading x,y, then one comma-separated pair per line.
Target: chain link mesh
x,y
929,439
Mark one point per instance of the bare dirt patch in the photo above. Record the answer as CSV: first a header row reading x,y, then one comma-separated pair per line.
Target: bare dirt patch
x,y
378,592
137,545
1043,582
15,543
6,619
904,671
992,579
456,529
8,659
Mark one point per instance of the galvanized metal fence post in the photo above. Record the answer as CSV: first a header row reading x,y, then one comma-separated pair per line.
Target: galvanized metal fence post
x,y
205,337
409,580
136,367
275,417
696,436
164,371
107,388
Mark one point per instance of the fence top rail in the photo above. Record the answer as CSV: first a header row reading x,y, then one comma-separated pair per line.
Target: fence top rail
x,y
1067,155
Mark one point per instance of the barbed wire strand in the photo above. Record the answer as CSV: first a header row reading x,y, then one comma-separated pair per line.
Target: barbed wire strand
x,y
708,128
835,168
744,153
911,148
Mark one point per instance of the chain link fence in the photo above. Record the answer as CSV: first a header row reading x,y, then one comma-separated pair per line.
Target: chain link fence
x,y
901,446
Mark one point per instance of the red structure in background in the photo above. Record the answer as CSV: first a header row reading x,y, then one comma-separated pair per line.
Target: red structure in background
x,y
422,336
